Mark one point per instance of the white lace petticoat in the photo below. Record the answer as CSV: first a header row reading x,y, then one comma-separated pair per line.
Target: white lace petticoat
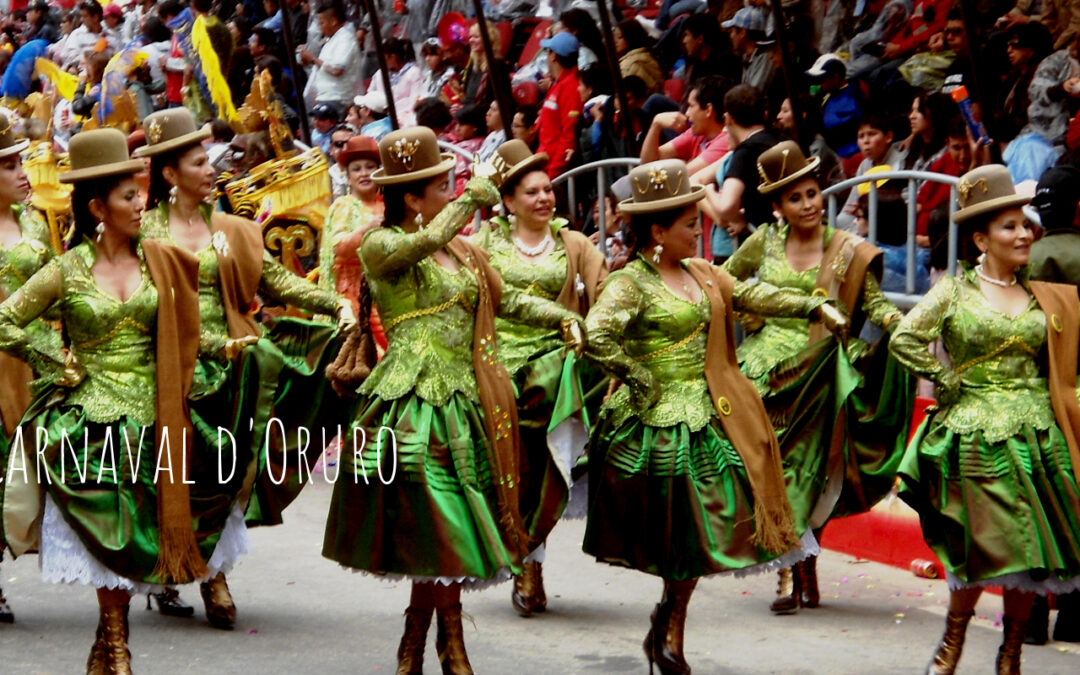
x,y
65,559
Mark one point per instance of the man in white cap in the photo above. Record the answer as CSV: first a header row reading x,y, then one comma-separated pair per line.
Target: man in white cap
x,y
372,110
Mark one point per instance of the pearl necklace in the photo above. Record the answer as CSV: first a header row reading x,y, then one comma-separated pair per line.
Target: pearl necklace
x,y
991,280
533,251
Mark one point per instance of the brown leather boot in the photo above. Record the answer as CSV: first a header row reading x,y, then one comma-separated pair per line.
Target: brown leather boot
x,y
220,610
528,597
95,664
807,571
787,592
114,637
1008,658
952,644
410,652
664,642
450,641
6,615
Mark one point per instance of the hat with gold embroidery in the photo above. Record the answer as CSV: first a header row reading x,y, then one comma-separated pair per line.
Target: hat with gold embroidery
x,y
984,190
410,155
10,144
168,130
784,164
660,186
513,159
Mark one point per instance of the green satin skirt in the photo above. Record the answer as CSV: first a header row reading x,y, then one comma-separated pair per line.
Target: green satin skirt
x,y
842,428
1006,511
102,482
557,396
669,501
269,412
428,510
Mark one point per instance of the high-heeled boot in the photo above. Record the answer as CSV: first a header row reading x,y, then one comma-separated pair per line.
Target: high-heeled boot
x,y
450,641
1067,626
952,644
664,643
114,639
220,610
169,603
528,596
1008,658
807,571
787,592
1038,624
95,663
6,615
410,652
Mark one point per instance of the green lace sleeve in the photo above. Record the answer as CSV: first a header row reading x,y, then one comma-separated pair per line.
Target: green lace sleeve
x,y
619,304
910,343
532,311
41,292
878,308
387,251
746,260
284,286
764,299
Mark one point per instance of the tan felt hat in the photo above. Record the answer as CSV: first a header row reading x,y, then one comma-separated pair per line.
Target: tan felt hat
x,y
168,130
984,190
783,164
99,153
514,158
9,143
410,155
660,186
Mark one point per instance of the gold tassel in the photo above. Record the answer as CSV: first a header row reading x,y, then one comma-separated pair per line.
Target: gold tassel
x,y
775,530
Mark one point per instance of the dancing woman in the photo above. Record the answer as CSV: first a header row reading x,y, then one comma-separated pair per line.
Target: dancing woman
x,y
442,509
538,254
841,415
993,472
111,520
24,249
236,388
684,469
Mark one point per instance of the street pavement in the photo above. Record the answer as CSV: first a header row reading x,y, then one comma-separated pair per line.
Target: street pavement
x,y
301,613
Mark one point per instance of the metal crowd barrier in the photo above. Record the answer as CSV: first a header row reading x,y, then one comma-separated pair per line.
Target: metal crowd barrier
x,y
915,179
908,298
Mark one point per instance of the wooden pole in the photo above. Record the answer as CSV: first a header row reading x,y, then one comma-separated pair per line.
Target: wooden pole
x,y
782,40
608,35
376,33
294,67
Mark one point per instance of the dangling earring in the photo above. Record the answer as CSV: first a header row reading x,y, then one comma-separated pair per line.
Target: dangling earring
x,y
419,220
512,219
656,253
172,196
100,229
982,258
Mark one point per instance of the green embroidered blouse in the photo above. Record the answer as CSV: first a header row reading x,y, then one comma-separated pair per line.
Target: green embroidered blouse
x,y
763,255
428,310
21,261
997,380
643,334
113,340
543,278
277,282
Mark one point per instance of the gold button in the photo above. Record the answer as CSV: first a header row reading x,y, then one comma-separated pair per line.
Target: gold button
x,y
723,405
1055,321
820,293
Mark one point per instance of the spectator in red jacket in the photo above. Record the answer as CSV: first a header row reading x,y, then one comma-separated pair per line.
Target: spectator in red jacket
x,y
556,126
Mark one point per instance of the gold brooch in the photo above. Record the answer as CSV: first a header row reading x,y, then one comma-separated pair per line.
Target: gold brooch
x,y
964,188
403,150
153,132
658,181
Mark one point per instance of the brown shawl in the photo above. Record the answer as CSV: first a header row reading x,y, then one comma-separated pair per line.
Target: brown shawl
x,y
240,267
1059,303
175,273
841,275
496,395
743,415
584,262
15,377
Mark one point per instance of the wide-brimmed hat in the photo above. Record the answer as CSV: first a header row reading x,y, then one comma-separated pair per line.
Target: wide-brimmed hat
x,y
358,147
984,190
660,186
783,164
10,144
410,155
99,153
513,159
168,130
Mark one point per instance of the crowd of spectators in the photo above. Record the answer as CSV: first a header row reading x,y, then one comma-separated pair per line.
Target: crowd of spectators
x,y
863,84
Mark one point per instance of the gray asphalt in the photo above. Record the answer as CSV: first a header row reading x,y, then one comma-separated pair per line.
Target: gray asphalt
x,y
300,613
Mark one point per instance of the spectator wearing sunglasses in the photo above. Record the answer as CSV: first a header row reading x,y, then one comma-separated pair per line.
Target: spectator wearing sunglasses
x,y
339,137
